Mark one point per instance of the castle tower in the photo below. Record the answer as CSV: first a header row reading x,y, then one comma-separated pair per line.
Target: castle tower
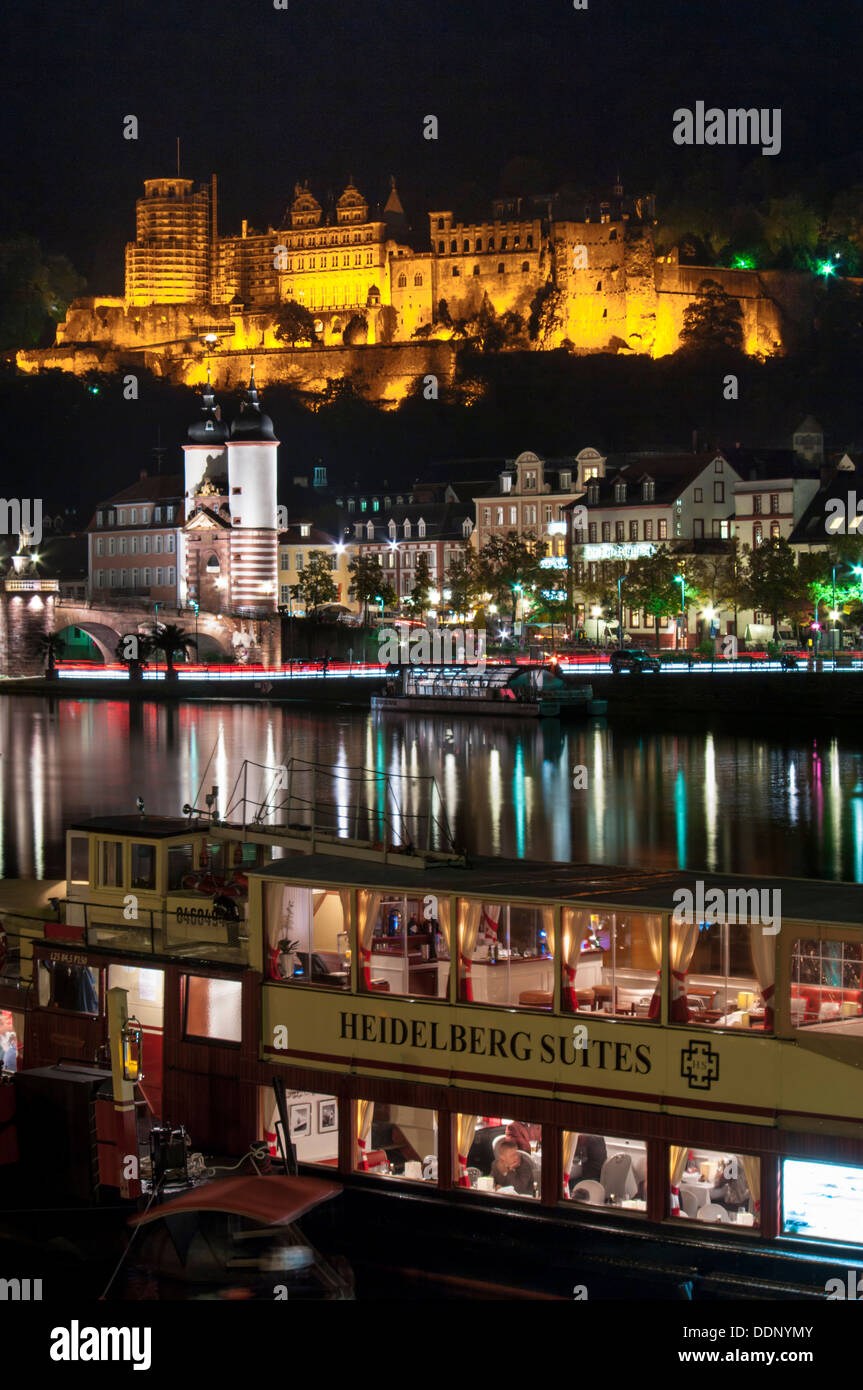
x,y
206,453
169,261
252,478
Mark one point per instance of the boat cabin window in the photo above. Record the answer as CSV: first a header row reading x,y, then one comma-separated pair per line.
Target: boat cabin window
x,y
403,950
722,1189
611,962
307,935
313,1120
497,1154
78,866
822,1201
827,986
11,1040
397,1141
505,954
181,862
601,1171
212,1008
110,863
144,866
73,988
726,968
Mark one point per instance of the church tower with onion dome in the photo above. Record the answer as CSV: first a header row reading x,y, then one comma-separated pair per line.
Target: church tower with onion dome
x,y
252,450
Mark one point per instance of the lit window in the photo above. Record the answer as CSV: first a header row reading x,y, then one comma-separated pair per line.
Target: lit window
x,y
822,1201
604,1172
502,1156
212,1008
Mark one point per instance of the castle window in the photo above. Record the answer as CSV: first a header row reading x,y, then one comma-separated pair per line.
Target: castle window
x,y
491,243
418,279
501,268
477,246
605,313
598,285
503,243
440,224
465,245
529,241
403,279
476,270
524,267
441,246
453,246
455,272
612,235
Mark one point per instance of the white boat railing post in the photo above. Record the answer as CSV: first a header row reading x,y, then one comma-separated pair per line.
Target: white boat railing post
x,y
314,793
245,792
290,785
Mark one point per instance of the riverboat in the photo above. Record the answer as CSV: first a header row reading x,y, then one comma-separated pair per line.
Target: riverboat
x,y
640,1059
532,691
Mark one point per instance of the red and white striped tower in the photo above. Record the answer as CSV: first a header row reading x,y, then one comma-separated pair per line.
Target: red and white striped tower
x,y
252,479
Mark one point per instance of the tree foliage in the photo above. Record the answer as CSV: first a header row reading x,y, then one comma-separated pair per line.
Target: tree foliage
x,y
294,324
315,585
713,320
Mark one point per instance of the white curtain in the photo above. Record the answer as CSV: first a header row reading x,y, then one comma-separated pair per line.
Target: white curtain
x,y
576,925
469,917
289,918
365,1111
368,907
764,960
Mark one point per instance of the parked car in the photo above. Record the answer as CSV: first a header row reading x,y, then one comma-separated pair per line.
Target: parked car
x,y
635,660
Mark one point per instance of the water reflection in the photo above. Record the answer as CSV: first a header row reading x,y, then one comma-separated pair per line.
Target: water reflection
x,y
740,803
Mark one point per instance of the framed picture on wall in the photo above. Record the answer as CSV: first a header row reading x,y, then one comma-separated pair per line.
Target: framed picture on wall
x,y
300,1120
328,1116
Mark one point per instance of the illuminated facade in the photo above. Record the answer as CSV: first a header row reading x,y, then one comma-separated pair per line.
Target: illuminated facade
x,y
169,261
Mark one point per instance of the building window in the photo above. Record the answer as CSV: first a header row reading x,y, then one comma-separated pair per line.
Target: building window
x,y
619,531
402,281
775,531
100,545
147,577
124,545
453,246
530,479
501,268
513,512
157,545
300,563
648,490
698,529
648,530
133,516
284,595
591,532
212,1008
757,533
633,530
565,481
717,466
662,531
121,517
100,518
158,578
698,494
334,562
145,545
418,279
100,579
606,531
407,529
466,528
169,544
421,528
486,516
756,505
111,545
110,862
774,502
601,1171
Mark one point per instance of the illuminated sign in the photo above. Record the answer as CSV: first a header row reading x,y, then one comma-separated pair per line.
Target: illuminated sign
x,y
554,562
556,528
624,550
554,595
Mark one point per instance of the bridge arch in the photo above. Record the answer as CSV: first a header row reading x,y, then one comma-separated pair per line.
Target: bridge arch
x,y
104,637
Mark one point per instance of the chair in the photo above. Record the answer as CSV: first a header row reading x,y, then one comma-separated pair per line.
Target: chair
x,y
584,998
712,1212
689,1203
617,1176
593,1193
602,998
701,998
536,998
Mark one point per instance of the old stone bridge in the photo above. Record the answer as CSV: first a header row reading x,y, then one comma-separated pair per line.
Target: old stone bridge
x,y
33,608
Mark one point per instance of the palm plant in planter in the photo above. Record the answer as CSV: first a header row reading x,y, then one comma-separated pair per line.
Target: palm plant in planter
x,y
168,639
134,649
50,644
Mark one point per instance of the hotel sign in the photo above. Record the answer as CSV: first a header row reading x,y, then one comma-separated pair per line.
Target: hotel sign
x,y
623,550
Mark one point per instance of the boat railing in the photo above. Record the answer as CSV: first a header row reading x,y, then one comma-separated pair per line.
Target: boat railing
x,y
182,930
358,804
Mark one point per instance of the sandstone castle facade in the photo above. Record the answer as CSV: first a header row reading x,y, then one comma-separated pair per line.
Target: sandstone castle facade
x,y
194,295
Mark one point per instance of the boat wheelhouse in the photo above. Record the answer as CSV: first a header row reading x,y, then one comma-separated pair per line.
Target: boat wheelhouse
x,y
650,1046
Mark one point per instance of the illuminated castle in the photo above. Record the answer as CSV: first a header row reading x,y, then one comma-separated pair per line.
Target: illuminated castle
x,y
584,277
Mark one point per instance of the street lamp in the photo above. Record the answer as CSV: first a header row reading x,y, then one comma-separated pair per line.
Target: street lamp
x,y
595,614
196,606
681,580
619,612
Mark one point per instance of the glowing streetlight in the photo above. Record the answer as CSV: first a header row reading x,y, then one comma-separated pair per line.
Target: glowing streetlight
x,y
681,580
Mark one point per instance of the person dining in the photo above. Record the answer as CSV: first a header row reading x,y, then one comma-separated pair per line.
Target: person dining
x,y
590,1155
513,1168
523,1135
731,1189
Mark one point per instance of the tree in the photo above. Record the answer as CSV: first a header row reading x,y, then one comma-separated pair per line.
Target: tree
x,y
506,566
369,583
134,649
316,585
35,291
294,324
774,583
418,600
356,331
462,581
546,314
732,581
50,645
651,586
713,320
168,639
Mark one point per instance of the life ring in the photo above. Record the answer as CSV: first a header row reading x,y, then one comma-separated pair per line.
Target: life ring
x,y
208,884
191,882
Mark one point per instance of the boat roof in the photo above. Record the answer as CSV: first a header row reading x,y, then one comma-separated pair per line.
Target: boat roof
x,y
805,900
273,1201
150,827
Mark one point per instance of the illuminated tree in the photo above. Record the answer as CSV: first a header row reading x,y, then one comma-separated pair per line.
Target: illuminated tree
x,y
506,566
651,586
775,585
294,324
418,600
712,320
369,584
315,585
463,582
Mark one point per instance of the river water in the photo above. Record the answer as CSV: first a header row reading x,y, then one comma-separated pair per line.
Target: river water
x,y
780,801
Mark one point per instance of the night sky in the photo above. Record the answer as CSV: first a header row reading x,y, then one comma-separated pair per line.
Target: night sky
x,y
330,87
